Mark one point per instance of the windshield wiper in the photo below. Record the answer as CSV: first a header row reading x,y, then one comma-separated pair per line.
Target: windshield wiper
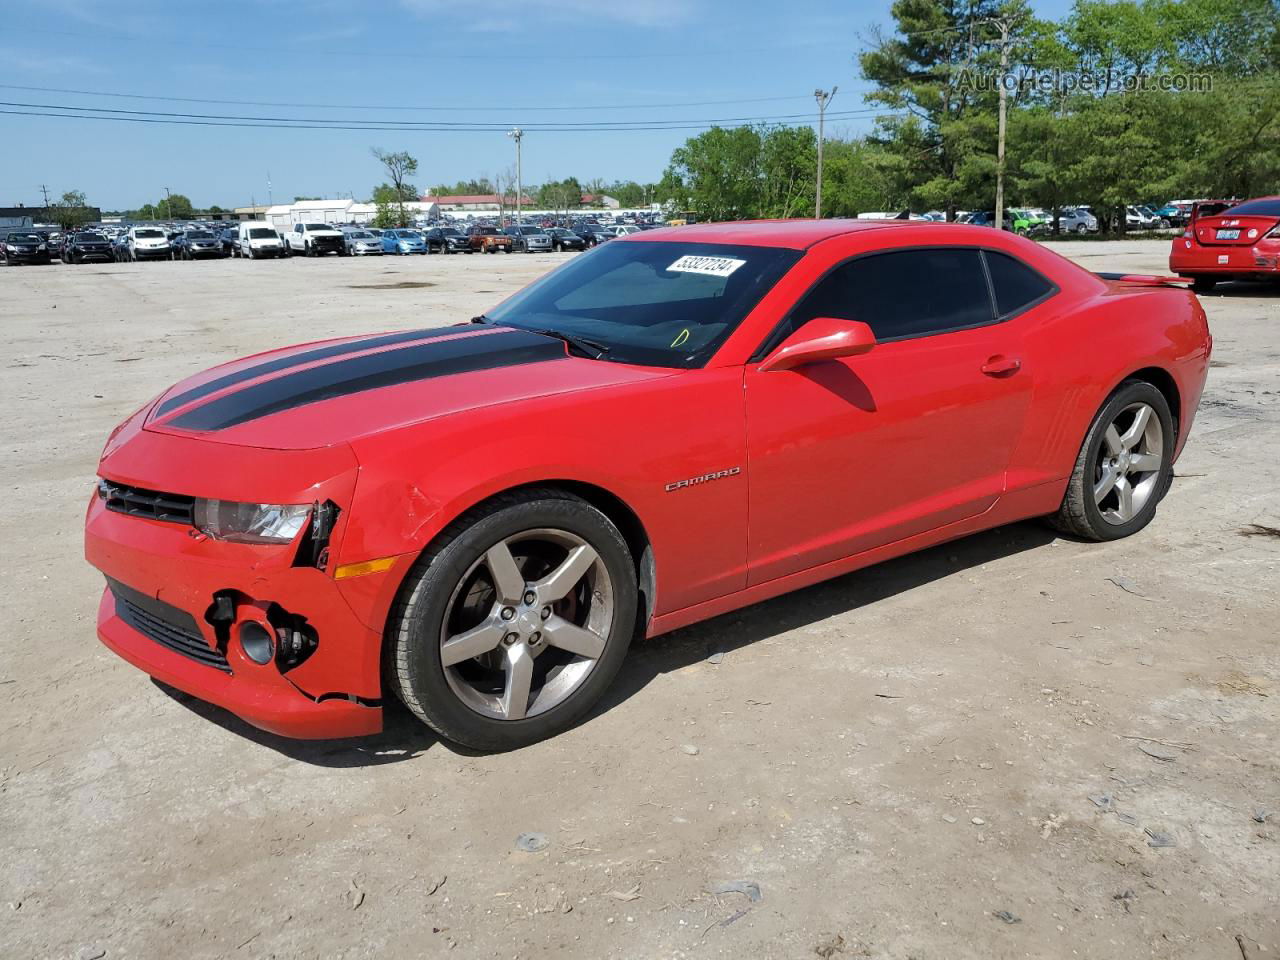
x,y
591,348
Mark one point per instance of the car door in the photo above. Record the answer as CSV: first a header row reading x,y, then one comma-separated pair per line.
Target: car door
x,y
850,454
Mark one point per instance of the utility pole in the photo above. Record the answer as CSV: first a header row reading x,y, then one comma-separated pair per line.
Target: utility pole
x,y
168,204
270,202
45,191
1003,26
823,97
517,135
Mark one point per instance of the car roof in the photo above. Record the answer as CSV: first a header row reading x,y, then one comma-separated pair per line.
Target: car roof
x,y
796,234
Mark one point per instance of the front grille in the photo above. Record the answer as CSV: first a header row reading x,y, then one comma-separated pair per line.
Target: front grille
x,y
168,626
137,502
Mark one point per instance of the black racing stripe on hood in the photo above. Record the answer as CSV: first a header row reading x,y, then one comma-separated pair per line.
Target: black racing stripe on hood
x,y
438,358
297,360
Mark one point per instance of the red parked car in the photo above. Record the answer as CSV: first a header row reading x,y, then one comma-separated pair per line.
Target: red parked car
x,y
478,519
1225,241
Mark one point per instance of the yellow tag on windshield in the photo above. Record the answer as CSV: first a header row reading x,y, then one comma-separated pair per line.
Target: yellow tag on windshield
x,y
682,339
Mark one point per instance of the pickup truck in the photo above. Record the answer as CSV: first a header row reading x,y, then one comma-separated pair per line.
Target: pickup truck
x,y
489,240
316,239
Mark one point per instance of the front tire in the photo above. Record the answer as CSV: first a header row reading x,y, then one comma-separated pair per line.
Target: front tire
x,y
1203,284
1124,467
514,622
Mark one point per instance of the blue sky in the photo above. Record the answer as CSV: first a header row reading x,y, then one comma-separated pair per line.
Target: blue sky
x,y
396,60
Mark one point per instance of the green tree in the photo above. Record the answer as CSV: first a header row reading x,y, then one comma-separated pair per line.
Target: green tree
x,y
563,194
719,172
399,167
466,188
854,179
71,210
788,167
386,193
939,143
387,215
176,206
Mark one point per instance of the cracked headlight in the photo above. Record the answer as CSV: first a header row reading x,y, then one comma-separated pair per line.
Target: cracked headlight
x,y
250,522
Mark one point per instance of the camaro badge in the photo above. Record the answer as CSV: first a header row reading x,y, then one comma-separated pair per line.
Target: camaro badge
x,y
705,478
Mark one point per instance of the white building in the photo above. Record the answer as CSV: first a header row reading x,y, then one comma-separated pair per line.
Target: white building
x,y
283,216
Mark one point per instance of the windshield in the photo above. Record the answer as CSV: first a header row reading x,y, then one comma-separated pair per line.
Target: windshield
x,y
148,234
359,235
318,226
450,232
25,238
87,238
199,235
662,304
261,233
407,235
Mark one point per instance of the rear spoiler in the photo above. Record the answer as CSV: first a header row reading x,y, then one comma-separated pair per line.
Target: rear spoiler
x,y
1145,279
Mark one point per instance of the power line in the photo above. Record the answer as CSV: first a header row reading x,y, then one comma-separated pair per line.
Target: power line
x,y
416,125
400,129
407,107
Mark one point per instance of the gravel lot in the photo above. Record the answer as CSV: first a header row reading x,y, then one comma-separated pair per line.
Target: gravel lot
x,y
893,757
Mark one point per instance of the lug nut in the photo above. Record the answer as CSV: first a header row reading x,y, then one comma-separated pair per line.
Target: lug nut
x,y
535,638
546,613
530,598
508,613
510,638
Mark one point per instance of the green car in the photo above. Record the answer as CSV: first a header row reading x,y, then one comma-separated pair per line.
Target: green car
x,y
1025,222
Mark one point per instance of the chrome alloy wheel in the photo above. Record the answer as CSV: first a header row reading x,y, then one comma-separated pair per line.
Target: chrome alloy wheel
x,y
527,624
1127,469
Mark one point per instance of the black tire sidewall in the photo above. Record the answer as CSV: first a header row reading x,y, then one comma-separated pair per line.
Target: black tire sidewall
x,y
429,592
1125,395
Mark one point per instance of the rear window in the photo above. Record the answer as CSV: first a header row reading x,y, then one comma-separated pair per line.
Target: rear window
x,y
1266,207
1016,285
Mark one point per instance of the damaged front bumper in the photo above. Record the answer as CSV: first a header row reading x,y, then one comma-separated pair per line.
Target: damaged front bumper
x,y
178,602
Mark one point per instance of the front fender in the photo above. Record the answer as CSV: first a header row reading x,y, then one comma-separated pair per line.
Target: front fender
x,y
633,443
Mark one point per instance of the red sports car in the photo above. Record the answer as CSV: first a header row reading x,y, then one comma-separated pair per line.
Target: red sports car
x,y
1224,241
478,519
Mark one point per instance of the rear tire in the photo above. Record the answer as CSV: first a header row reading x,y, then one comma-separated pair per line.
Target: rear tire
x,y
1123,469
453,591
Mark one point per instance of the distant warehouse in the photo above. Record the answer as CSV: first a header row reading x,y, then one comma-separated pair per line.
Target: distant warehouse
x,y
21,216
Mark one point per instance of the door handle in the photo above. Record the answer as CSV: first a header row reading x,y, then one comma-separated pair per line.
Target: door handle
x,y
1001,366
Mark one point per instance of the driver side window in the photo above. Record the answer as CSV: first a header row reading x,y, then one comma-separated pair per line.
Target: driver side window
x,y
901,294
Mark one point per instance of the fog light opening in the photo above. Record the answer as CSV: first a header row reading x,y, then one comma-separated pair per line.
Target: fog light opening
x,y
257,642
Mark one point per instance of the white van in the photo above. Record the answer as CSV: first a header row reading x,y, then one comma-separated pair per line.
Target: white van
x,y
256,238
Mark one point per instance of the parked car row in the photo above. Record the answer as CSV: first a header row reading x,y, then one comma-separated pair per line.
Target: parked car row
x,y
255,239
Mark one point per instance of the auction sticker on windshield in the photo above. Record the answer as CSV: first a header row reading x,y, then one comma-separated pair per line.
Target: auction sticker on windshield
x,y
711,266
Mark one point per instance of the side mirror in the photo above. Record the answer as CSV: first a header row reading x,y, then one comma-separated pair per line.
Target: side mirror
x,y
822,338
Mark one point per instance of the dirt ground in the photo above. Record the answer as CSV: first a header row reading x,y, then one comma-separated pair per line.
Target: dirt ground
x,y
972,752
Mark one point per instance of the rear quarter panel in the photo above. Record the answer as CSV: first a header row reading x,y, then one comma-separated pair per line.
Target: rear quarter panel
x,y
1081,354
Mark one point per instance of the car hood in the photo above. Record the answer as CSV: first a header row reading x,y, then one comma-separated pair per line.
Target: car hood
x,y
331,392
